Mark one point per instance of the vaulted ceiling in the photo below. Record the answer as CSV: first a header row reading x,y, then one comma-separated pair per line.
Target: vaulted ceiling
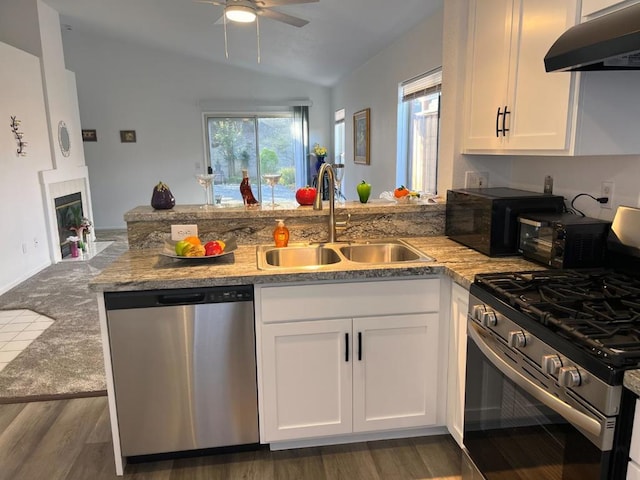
x,y
341,34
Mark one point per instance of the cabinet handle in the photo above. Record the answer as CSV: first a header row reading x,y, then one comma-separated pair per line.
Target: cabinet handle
x,y
346,350
504,120
498,115
359,346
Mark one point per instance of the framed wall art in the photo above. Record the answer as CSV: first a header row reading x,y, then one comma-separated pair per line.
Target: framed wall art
x,y
89,136
361,140
127,136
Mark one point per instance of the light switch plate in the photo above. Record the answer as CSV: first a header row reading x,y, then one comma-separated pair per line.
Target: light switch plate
x,y
178,232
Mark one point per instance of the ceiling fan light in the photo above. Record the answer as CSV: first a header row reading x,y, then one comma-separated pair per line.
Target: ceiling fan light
x,y
240,13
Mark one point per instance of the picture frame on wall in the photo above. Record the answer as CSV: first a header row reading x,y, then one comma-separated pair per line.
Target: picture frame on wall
x,y
89,136
361,137
127,136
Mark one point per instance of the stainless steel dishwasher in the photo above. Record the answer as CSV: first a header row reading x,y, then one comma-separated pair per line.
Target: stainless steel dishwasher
x,y
184,368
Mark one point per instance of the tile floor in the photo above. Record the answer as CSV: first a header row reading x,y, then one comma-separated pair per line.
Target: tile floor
x,y
18,328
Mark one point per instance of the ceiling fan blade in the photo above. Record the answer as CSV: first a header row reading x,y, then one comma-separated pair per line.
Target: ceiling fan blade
x,y
210,2
283,17
279,3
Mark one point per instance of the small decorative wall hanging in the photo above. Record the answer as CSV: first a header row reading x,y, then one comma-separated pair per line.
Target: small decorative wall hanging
x,y
127,136
64,140
15,123
361,140
89,136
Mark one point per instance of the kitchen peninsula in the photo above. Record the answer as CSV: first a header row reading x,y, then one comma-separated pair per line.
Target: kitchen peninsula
x,y
148,228
373,286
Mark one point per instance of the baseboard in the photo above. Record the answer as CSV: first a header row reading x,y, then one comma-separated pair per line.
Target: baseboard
x,y
358,437
26,276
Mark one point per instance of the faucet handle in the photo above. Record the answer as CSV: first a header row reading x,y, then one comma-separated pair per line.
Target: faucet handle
x,y
342,224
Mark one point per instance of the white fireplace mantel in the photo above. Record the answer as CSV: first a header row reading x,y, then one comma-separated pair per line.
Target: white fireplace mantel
x,y
57,183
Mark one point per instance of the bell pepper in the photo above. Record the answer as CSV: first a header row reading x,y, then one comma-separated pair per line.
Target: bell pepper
x,y
364,190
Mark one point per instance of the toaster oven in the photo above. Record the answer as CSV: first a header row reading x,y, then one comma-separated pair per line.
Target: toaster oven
x,y
563,240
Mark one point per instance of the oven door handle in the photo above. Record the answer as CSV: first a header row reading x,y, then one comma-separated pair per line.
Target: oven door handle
x,y
573,416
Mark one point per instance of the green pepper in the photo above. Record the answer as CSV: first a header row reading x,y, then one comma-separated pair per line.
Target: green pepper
x,y
364,190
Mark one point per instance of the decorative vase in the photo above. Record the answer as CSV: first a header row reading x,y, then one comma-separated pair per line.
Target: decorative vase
x,y
319,161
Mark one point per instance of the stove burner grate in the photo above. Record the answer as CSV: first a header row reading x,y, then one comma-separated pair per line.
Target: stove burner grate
x,y
599,310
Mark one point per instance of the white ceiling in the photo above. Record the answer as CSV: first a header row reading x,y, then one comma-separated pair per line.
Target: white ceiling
x,y
341,34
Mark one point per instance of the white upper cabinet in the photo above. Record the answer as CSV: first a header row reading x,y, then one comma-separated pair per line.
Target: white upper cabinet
x,y
513,103
514,107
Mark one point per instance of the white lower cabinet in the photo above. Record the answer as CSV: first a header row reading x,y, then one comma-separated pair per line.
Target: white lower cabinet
x,y
324,376
633,468
457,361
306,379
394,371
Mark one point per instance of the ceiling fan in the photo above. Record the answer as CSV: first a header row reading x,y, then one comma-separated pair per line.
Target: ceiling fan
x,y
246,11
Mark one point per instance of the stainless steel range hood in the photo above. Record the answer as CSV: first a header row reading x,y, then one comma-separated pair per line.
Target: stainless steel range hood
x,y
610,42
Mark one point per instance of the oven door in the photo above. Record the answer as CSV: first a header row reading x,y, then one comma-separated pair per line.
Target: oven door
x,y
514,429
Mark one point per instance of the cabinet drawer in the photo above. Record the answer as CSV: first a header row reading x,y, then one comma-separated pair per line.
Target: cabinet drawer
x,y
343,300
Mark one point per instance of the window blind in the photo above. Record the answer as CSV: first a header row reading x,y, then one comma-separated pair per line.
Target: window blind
x,y
422,85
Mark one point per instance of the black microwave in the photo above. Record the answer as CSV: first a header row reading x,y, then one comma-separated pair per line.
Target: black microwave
x,y
564,240
486,219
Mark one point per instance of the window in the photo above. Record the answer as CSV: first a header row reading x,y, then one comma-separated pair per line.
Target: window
x,y
339,136
262,144
418,131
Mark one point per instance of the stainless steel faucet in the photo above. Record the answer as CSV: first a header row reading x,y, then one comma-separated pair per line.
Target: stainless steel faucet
x,y
317,204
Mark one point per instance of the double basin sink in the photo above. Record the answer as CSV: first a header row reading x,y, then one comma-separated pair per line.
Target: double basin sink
x,y
315,256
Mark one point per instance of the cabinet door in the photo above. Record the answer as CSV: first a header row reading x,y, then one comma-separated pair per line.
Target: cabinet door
x,y
488,55
457,362
395,371
307,379
540,102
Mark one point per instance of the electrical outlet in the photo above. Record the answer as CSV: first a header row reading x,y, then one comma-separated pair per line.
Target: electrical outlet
x,y
24,248
476,179
548,184
178,232
35,242
606,190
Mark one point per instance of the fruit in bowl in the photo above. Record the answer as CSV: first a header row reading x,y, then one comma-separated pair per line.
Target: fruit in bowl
x,y
306,195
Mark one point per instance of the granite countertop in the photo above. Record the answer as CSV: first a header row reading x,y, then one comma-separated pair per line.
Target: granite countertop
x,y
196,212
146,269
632,381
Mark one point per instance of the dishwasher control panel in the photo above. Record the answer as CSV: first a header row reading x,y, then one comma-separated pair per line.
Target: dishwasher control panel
x,y
175,297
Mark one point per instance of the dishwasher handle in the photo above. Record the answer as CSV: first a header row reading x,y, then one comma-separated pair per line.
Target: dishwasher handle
x,y
180,299
178,296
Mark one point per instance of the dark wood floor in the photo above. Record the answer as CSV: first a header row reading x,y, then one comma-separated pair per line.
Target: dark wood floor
x,y
71,440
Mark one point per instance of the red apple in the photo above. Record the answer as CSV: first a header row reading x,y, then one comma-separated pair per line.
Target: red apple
x,y
306,195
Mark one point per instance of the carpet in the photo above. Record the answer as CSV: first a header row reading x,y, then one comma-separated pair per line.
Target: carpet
x,y
66,361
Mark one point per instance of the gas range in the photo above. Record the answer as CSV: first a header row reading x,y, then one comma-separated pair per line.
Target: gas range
x,y
546,356
591,316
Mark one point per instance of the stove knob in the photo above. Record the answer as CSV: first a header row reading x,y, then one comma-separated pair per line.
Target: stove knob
x,y
518,339
478,311
489,319
551,364
569,377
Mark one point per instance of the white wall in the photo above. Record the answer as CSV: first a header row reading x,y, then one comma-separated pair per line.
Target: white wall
x,y
126,86
21,201
374,85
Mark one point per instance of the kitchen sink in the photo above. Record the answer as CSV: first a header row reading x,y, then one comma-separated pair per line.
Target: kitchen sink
x,y
326,254
305,256
386,252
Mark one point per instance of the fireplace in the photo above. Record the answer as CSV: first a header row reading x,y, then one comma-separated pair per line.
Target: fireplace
x,y
69,213
57,185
